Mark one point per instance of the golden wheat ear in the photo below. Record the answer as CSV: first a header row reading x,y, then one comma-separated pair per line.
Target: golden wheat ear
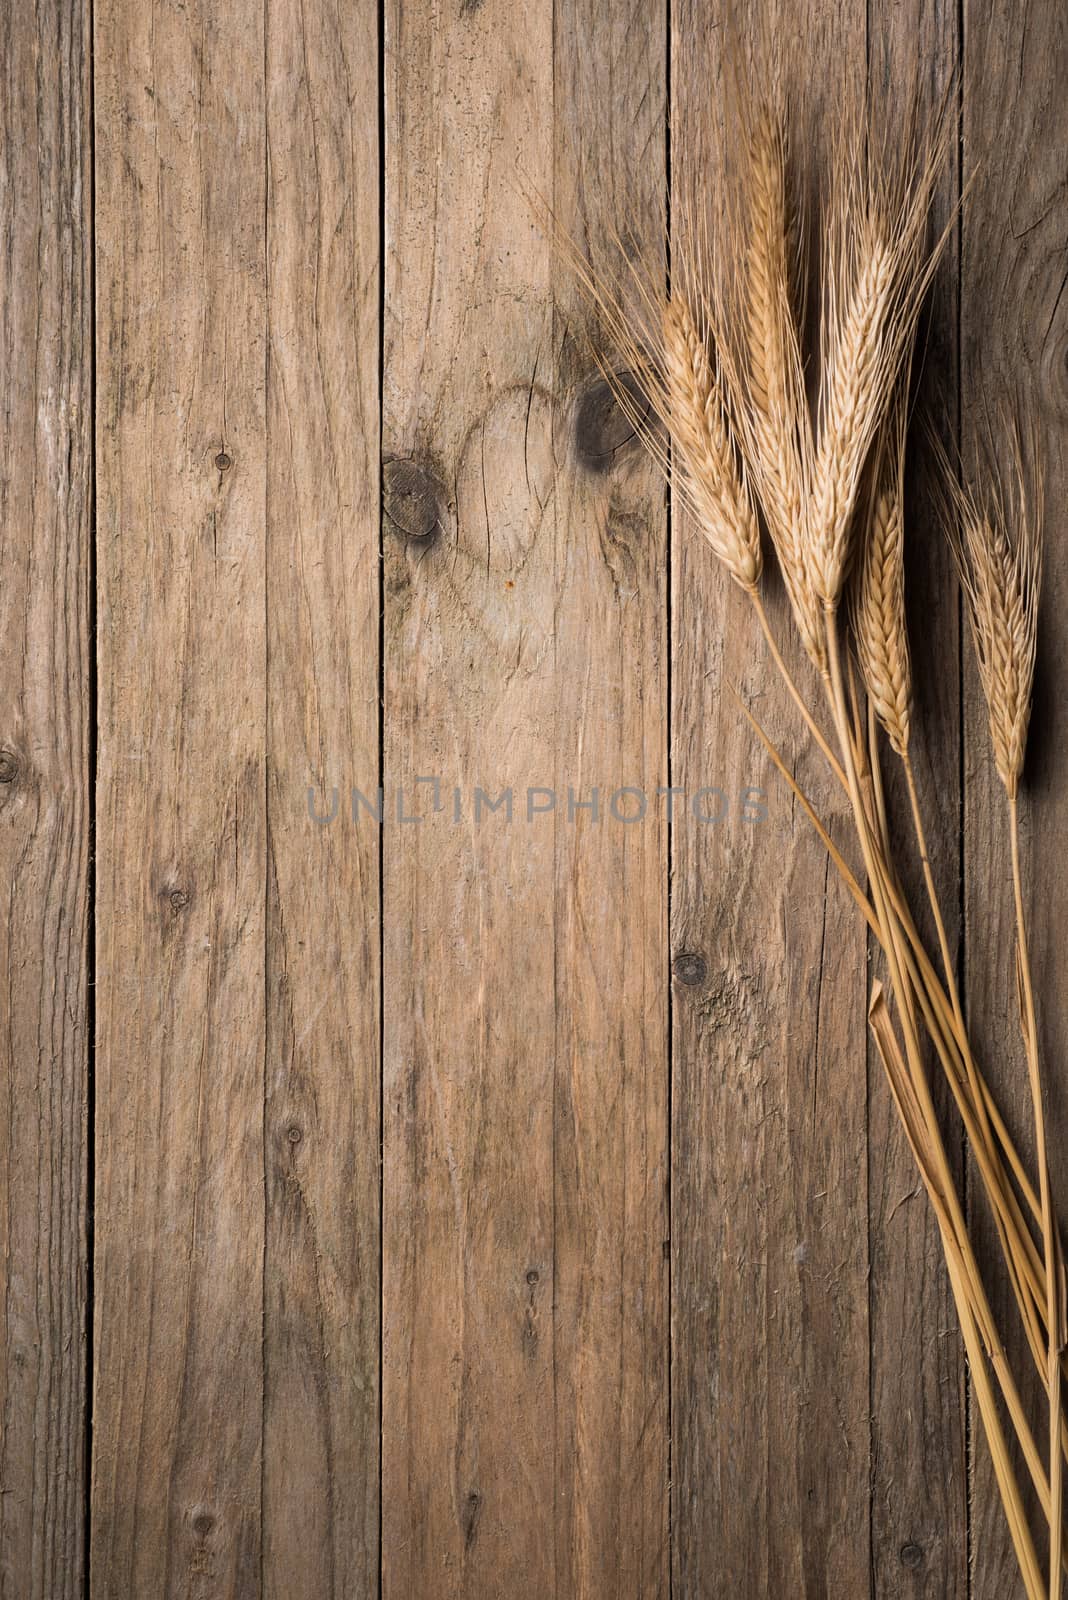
x,y
658,353
995,531
696,418
761,355
876,269
880,635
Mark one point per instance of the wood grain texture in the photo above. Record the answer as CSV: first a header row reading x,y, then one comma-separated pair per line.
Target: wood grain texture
x,y
1014,339
45,531
919,1491
469,941
525,1359
182,861
771,1370
610,1143
321,1145
551,1210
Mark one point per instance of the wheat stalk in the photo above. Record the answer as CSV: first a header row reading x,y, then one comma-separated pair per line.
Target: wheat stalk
x,y
997,541
726,414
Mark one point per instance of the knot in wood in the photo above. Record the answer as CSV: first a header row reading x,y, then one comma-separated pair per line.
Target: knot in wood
x,y
602,425
411,500
9,766
469,1516
690,967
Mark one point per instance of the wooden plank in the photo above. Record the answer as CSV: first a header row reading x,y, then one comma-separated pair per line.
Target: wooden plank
x,y
512,1183
469,947
45,532
611,659
321,1276
182,840
1014,341
769,1189
919,1474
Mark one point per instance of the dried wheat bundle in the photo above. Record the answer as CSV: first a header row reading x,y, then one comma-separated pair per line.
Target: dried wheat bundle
x,y
751,434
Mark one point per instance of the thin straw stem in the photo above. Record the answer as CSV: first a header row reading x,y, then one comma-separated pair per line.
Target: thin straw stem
x,y
946,1187
1023,1261
791,687
1053,1376
932,892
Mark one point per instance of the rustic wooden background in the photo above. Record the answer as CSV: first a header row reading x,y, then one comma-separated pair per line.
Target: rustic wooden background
x,y
434,1210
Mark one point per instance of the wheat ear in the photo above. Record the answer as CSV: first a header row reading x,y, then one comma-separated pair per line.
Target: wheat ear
x,y
879,631
997,543
876,273
764,369
698,425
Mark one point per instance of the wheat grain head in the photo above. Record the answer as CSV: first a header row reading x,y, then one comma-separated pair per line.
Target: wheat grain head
x,y
762,361
996,537
879,632
657,352
876,271
696,418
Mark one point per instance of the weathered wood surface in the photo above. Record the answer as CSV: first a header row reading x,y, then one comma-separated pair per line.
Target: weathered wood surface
x,y
819,1440
181,829
236,1424
468,961
1014,342
770,1350
567,1271
45,755
524,1292
919,1508
610,1134
321,1137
